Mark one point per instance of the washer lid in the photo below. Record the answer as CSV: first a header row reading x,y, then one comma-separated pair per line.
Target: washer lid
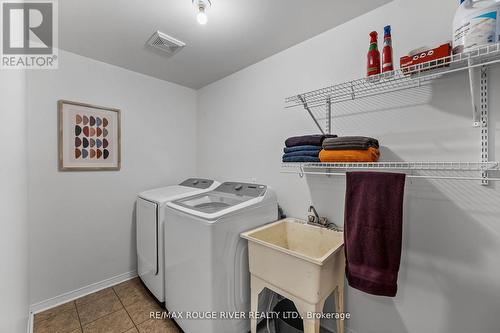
x,y
188,187
223,199
211,202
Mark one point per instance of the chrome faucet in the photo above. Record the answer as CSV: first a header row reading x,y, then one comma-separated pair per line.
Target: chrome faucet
x,y
316,220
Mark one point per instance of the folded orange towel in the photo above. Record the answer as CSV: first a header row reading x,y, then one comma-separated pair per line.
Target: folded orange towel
x,y
368,155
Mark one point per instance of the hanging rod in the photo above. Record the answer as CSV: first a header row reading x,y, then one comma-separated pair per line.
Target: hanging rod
x,y
302,173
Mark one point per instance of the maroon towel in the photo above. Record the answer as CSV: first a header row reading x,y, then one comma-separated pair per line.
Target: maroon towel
x,y
373,231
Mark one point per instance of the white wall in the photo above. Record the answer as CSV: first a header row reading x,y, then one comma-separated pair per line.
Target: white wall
x,y
450,266
82,227
13,203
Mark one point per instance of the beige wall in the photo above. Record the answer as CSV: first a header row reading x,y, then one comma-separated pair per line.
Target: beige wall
x,y
448,281
82,224
13,203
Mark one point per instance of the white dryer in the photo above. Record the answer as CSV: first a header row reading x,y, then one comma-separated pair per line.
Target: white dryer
x,y
207,260
149,225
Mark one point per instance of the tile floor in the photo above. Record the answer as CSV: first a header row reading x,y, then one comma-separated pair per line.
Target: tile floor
x,y
124,308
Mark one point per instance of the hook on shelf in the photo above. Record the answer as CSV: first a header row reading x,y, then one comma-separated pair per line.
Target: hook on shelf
x,y
301,172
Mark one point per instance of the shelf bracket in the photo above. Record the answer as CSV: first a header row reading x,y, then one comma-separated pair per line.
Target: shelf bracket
x,y
484,122
306,107
473,79
329,128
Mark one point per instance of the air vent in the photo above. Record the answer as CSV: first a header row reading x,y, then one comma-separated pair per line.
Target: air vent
x,y
165,43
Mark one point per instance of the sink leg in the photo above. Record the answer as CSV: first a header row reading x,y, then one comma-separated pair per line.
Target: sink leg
x,y
310,325
256,287
339,307
254,304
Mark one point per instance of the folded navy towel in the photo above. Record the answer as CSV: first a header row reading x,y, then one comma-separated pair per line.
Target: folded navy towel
x,y
314,153
308,140
300,148
294,159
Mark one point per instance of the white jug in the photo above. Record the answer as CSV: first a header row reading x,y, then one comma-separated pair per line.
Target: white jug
x,y
476,23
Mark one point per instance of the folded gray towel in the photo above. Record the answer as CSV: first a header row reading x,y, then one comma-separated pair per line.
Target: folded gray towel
x,y
350,146
350,143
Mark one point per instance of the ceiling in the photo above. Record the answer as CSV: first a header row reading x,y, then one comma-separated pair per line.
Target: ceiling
x,y
239,32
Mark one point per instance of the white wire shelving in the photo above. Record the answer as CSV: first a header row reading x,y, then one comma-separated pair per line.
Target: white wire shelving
x,y
319,105
399,79
434,166
339,169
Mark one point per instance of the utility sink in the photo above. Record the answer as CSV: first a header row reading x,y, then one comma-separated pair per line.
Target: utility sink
x,y
293,254
303,263
296,238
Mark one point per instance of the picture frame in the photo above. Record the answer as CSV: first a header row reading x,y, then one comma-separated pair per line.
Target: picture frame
x,y
89,137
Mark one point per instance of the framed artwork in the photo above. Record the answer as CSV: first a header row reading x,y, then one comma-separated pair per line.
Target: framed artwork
x,y
89,137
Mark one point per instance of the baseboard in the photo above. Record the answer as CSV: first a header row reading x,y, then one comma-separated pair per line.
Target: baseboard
x,y
30,322
72,295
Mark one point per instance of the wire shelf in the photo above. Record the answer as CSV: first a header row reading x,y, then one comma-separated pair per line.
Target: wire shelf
x,y
318,103
397,80
434,166
340,169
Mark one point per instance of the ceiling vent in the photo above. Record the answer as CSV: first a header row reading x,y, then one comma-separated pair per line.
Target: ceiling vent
x,y
165,43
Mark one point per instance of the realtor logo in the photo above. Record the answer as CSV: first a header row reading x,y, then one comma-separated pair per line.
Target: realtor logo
x,y
29,34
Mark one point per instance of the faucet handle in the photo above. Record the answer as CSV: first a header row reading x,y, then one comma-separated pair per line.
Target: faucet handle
x,y
323,221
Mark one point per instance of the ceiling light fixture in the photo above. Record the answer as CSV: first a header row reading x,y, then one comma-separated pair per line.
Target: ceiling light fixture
x,y
201,10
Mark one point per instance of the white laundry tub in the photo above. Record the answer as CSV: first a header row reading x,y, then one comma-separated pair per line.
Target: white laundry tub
x,y
302,262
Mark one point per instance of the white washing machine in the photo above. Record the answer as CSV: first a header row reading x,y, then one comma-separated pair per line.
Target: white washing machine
x,y
149,224
207,260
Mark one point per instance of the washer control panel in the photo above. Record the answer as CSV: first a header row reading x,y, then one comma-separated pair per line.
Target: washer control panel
x,y
246,189
197,183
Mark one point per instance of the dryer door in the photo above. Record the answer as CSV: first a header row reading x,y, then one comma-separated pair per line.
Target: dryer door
x,y
147,236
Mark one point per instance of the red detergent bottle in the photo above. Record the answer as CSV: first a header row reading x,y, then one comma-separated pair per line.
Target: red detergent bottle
x,y
373,55
387,62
